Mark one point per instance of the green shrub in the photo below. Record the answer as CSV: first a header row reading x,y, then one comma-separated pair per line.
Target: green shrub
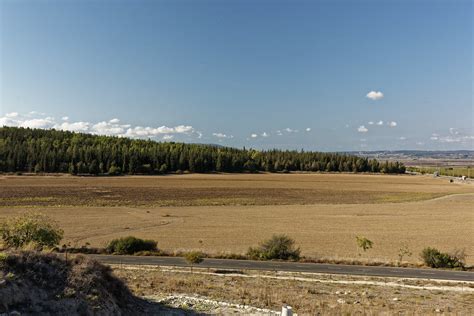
x,y
194,257
364,243
278,247
434,258
3,258
114,171
130,245
33,230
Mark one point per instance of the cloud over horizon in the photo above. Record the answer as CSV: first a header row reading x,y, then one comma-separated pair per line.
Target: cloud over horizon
x,y
113,127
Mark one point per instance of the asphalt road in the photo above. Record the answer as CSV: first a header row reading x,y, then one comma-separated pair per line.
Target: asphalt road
x,y
292,267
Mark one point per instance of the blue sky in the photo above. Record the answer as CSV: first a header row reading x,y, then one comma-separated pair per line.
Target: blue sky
x,y
261,74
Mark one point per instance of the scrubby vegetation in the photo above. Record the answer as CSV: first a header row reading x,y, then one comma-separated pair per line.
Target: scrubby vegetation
x,y
194,257
32,230
434,258
37,150
35,283
277,247
364,243
130,245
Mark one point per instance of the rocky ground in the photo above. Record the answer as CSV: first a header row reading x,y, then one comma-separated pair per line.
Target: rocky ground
x,y
252,292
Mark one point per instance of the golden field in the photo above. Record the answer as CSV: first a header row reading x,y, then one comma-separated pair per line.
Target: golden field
x,y
219,213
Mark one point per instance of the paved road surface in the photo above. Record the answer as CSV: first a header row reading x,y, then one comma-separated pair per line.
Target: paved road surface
x,y
293,267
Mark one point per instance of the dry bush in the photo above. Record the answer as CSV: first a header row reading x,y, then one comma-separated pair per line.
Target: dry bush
x,y
32,230
277,247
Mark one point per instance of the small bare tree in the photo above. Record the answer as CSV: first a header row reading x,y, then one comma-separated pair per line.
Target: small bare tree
x,y
402,252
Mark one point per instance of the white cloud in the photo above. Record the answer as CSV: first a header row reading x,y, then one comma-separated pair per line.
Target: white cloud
x,y
362,129
12,114
254,135
308,129
380,123
392,124
289,130
375,95
264,134
402,138
222,135
454,136
279,133
83,127
112,127
371,123
453,131
37,123
168,137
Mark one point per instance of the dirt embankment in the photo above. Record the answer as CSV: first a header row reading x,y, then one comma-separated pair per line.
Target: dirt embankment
x,y
34,283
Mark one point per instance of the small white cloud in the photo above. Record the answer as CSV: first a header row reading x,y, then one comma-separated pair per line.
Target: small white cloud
x,y
362,129
12,114
167,137
375,95
308,129
453,131
402,138
279,133
222,135
289,130
65,118
73,127
380,123
371,123
114,121
264,134
254,135
392,124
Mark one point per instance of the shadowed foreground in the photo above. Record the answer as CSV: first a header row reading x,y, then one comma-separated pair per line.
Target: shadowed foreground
x,y
34,283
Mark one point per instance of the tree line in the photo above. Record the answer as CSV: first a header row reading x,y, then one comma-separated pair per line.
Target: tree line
x,y
38,150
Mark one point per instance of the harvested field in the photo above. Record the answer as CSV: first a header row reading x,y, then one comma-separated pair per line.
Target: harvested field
x,y
229,213
221,189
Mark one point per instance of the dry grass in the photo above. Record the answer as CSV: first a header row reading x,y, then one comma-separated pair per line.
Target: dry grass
x,y
306,297
331,211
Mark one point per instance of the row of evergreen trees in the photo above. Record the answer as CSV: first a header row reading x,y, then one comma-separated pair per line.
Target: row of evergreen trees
x,y
37,150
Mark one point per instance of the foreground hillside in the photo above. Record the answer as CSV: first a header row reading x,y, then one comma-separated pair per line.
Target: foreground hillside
x,y
37,150
34,283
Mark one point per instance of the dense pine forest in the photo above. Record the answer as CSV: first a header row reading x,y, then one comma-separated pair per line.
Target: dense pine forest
x,y
37,150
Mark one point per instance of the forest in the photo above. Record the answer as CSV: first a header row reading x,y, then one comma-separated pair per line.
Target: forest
x,y
53,151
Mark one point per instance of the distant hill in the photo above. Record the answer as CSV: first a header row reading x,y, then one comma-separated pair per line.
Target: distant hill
x,y
38,150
